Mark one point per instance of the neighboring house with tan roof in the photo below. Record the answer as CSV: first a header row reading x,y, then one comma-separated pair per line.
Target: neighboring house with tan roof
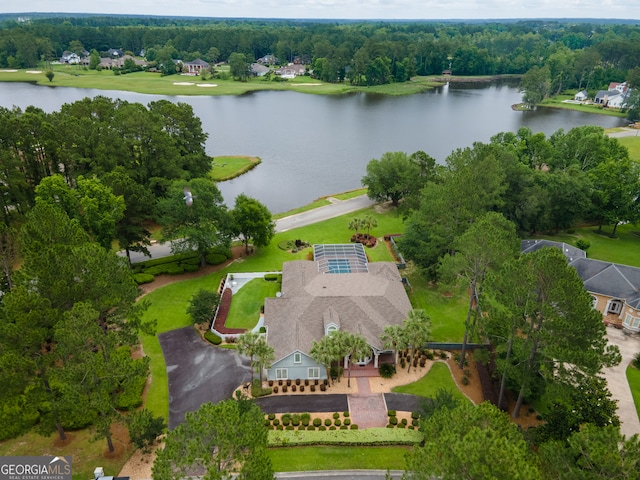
x,y
614,288
339,290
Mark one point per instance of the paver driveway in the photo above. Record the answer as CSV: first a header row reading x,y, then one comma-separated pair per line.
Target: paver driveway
x,y
198,372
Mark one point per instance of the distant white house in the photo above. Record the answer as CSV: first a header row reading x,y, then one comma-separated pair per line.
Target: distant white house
x,y
291,71
615,97
581,96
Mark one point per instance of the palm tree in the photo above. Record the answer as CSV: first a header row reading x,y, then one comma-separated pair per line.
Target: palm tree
x,y
416,330
324,352
247,345
265,355
355,346
368,223
355,224
393,337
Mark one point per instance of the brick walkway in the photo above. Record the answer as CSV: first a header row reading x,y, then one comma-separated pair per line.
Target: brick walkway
x,y
367,409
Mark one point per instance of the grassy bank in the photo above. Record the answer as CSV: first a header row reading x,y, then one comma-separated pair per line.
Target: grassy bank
x,y
154,83
558,102
228,167
306,459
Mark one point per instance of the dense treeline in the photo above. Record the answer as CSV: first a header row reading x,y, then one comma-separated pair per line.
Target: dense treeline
x,y
539,183
364,53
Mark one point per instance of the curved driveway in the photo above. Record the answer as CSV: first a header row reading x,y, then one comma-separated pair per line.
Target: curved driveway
x,y
198,372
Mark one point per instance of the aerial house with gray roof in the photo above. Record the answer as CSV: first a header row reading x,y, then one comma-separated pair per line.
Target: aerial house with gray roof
x,y
338,290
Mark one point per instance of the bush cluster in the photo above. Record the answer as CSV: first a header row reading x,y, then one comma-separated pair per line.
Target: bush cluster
x,y
212,337
176,264
303,421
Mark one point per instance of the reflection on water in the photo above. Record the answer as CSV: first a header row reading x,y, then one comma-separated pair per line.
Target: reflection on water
x,y
315,145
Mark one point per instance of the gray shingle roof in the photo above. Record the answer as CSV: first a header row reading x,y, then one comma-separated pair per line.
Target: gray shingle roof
x,y
604,278
358,302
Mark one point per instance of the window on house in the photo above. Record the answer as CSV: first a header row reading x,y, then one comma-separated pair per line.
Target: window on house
x,y
313,372
631,322
297,357
282,374
615,306
331,329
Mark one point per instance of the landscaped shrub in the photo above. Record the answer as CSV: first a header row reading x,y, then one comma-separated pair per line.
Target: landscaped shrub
x,y
387,370
273,277
172,268
313,388
402,425
295,419
258,391
141,278
271,383
332,427
271,416
267,423
317,422
289,427
322,428
345,414
393,420
286,421
344,427
279,427
465,381
336,415
297,381
211,337
288,382
467,372
636,360
189,268
415,422
275,389
284,389
302,388
311,427
347,421
430,355
337,422
305,421
323,387
403,421
391,413
390,426
327,422
293,387
353,427
276,422
215,258
415,415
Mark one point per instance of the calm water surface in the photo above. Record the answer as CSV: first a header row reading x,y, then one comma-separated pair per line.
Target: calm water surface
x,y
315,145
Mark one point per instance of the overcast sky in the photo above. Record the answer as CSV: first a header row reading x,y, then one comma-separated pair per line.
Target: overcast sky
x,y
342,9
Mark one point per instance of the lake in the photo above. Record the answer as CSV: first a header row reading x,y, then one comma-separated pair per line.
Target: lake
x,y
316,145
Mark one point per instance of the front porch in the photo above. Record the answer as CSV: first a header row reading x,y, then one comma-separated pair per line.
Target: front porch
x,y
370,369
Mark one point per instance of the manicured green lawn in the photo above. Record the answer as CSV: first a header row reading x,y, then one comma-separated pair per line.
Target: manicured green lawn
x,y
245,305
439,377
633,377
557,102
625,248
226,168
295,459
447,309
633,145
351,194
320,202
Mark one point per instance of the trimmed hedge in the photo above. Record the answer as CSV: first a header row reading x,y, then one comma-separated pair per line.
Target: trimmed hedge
x,y
141,278
215,258
343,437
212,337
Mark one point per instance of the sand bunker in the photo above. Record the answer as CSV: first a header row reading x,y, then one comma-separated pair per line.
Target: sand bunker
x,y
183,83
206,85
8,71
33,71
